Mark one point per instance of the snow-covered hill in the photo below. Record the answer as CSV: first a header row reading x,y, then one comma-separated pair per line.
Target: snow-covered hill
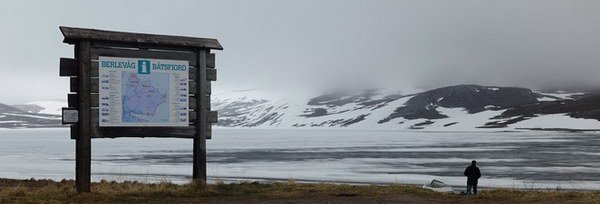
x,y
12,117
454,108
52,107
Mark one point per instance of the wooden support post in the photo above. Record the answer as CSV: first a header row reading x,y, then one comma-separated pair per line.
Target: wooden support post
x,y
83,155
199,167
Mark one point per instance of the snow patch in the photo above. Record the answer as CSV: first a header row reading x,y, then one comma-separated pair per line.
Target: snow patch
x,y
33,116
558,121
489,106
460,119
561,95
12,121
546,98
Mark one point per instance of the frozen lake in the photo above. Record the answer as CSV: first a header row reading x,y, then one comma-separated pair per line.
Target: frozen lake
x,y
525,159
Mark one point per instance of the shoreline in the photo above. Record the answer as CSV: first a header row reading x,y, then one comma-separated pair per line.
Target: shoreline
x,y
267,181
47,191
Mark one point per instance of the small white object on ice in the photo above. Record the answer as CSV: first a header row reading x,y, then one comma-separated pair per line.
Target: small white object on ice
x,y
438,186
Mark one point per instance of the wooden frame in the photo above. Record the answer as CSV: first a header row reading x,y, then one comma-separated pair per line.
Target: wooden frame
x,y
83,73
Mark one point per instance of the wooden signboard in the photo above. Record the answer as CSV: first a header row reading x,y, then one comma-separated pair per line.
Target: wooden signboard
x,y
170,106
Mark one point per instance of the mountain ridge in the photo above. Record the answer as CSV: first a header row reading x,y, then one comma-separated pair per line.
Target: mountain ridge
x,y
12,117
451,108
486,107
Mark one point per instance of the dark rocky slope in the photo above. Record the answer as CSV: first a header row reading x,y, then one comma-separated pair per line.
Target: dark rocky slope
x,y
473,98
584,107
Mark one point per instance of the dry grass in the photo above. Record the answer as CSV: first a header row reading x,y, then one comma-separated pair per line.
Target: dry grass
x,y
547,196
44,191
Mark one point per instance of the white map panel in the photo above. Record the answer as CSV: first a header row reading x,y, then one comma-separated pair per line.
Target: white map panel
x,y
143,92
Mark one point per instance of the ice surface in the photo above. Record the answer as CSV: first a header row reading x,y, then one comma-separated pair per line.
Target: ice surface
x,y
526,159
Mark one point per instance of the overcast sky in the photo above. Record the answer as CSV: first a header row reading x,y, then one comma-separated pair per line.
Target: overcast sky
x,y
310,45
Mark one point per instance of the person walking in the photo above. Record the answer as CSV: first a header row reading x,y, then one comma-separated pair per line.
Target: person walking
x,y
472,173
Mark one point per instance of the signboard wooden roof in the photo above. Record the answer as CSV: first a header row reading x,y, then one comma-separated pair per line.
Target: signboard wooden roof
x,y
72,35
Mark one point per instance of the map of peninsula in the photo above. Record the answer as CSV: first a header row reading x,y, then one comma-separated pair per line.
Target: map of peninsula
x,y
143,97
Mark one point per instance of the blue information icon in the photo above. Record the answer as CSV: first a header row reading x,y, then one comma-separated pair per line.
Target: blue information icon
x,y
143,66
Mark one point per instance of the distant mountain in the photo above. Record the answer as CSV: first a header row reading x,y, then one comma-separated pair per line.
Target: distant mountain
x,y
585,106
453,108
462,107
12,117
52,107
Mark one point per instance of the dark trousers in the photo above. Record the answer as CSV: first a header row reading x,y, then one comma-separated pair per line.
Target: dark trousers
x,y
472,185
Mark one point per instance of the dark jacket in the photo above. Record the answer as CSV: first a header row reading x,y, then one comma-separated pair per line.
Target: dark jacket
x,y
472,173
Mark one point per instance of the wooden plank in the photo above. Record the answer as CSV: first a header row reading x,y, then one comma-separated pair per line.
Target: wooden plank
x,y
210,63
95,70
208,131
212,117
73,100
74,131
73,35
208,88
192,103
129,53
160,132
207,103
83,144
211,74
68,67
210,60
164,132
160,48
193,73
74,85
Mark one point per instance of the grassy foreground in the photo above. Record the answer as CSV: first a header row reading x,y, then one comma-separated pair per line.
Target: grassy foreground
x,y
46,191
